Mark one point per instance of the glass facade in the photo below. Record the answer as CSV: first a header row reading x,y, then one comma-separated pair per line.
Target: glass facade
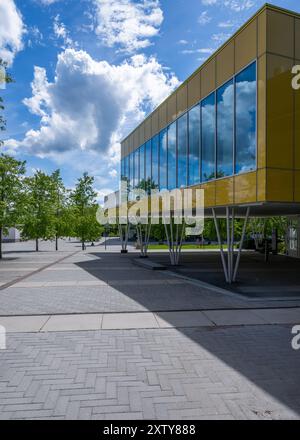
x,y
163,154
245,120
155,161
194,146
172,135
214,139
182,151
225,129
208,138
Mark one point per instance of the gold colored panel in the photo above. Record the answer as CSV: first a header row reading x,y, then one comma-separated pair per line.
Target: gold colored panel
x,y
279,185
297,127
261,185
171,108
262,33
280,112
154,119
208,78
297,38
280,33
225,64
245,188
136,139
262,112
194,95
245,46
148,129
182,99
297,186
209,194
130,143
141,134
162,115
224,192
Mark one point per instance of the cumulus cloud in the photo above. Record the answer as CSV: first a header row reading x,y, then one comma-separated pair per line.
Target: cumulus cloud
x,y
11,31
91,104
61,33
47,2
128,24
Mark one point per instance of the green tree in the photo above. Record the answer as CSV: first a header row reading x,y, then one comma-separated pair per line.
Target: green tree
x,y
84,207
62,220
5,78
40,206
11,174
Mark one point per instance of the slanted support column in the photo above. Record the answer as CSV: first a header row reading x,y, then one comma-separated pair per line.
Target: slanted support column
x,y
231,263
174,235
124,234
143,236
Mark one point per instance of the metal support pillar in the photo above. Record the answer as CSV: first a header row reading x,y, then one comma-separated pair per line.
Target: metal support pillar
x,y
174,235
143,236
230,266
124,234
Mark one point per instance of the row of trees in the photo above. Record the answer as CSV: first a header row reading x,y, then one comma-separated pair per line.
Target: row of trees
x,y
43,208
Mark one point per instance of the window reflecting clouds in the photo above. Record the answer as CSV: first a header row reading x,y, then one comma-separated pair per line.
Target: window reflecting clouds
x,y
172,156
210,141
208,124
225,129
245,148
194,145
182,151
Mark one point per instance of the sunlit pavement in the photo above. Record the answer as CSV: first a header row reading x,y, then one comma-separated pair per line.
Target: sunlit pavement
x,y
91,335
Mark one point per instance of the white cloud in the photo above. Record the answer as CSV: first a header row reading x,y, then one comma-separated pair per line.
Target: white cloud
x,y
234,5
183,42
47,2
61,33
128,24
11,31
204,18
89,106
226,24
205,50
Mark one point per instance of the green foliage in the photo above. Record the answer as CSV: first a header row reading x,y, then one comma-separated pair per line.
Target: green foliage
x,y
83,208
11,194
40,207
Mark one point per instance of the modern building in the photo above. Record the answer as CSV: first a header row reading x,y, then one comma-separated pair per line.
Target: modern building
x,y
233,127
12,236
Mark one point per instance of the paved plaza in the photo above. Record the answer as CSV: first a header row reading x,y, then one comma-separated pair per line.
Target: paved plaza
x,y
91,335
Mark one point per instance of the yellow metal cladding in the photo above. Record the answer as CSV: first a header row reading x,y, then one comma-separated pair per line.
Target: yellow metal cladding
x,y
245,188
224,192
272,37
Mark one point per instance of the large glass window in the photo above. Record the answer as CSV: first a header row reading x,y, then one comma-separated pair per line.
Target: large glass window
x,y
131,171
172,156
194,146
136,168
182,151
245,149
163,159
142,167
208,118
148,176
225,129
155,151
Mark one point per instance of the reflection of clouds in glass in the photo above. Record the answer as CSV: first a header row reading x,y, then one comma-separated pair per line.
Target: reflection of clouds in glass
x,y
182,150
194,145
245,125
225,99
172,156
208,137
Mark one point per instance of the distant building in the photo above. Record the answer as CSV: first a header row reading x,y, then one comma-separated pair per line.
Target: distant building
x,y
12,236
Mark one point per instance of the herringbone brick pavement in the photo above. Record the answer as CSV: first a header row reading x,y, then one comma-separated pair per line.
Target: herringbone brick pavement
x,y
237,373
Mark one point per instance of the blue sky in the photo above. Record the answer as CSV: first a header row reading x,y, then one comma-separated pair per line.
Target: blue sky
x,y
87,71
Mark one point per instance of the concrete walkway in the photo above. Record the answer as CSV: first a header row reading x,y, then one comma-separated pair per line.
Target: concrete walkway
x,y
144,320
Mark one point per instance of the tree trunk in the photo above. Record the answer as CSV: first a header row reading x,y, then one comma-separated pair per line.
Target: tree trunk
x,y
82,245
56,243
1,234
36,244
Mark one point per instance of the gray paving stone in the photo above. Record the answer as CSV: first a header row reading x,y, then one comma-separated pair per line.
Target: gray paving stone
x,y
24,323
182,319
73,322
129,321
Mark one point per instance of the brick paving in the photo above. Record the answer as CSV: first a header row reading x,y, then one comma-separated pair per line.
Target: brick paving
x,y
233,373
